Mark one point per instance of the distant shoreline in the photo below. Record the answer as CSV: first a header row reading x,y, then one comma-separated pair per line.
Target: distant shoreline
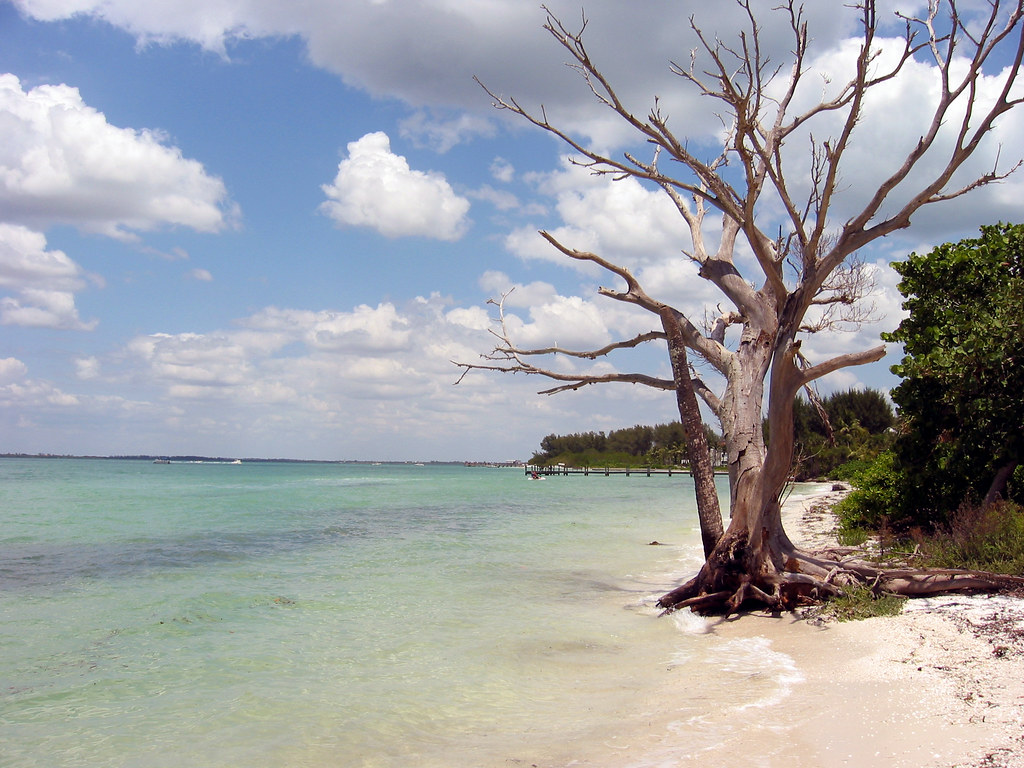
x,y
225,459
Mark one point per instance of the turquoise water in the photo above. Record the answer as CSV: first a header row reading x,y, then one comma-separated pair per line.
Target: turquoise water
x,y
278,614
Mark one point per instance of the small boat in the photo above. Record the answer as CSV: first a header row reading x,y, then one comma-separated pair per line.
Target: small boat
x,y
161,461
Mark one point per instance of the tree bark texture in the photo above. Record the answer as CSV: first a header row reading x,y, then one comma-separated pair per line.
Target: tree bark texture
x,y
708,511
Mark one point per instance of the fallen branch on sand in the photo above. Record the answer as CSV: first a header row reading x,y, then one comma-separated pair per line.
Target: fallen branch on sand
x,y
806,578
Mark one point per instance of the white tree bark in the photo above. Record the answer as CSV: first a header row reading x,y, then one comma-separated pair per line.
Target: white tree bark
x,y
809,265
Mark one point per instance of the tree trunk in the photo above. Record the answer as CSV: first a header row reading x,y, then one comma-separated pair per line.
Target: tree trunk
x,y
756,565
708,510
995,491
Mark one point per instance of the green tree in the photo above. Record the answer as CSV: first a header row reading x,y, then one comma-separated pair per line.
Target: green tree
x,y
845,426
963,370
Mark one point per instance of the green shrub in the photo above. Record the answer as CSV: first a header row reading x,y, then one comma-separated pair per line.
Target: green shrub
x,y
990,539
851,469
876,500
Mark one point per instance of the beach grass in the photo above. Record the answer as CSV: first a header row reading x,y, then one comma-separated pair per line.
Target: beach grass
x,y
862,603
983,538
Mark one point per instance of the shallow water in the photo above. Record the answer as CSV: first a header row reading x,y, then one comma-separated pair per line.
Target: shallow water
x,y
278,614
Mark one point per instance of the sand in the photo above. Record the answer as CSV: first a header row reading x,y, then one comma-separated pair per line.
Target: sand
x,y
942,684
939,686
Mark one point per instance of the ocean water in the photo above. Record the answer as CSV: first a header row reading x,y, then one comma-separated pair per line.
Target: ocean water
x,y
290,614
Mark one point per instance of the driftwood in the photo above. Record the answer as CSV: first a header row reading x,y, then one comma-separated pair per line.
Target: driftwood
x,y
810,577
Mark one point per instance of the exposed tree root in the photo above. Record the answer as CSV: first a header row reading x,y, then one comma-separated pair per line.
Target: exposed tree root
x,y
813,577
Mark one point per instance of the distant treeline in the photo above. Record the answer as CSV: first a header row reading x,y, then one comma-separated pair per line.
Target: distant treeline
x,y
663,445
845,426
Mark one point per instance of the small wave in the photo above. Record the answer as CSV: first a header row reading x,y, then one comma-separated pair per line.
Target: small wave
x,y
754,659
690,623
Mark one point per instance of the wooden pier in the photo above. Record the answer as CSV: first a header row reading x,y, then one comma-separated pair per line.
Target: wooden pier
x,y
532,469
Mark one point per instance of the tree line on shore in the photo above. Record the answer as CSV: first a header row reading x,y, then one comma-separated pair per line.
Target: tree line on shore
x,y
660,445
842,427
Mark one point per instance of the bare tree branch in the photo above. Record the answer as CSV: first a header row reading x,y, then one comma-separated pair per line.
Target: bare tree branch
x,y
805,276
839,362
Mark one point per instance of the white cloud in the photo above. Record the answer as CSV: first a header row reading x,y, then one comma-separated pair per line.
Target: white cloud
x,y
621,221
499,198
497,284
365,328
205,362
376,385
440,134
87,368
567,321
502,170
896,116
376,188
360,374
40,308
307,364
12,369
426,52
26,263
44,282
62,162
475,318
29,393
202,275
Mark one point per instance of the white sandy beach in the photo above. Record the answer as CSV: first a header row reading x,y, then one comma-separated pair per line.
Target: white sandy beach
x,y
939,686
942,684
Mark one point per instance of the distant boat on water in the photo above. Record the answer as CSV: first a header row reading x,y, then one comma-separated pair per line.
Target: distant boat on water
x,y
161,461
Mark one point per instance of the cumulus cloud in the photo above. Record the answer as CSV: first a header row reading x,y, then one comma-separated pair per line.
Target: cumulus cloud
x,y
61,162
363,329
502,170
87,367
369,381
376,188
24,393
201,275
426,52
896,115
499,198
25,262
44,282
623,221
43,309
566,321
281,353
12,369
342,377
475,318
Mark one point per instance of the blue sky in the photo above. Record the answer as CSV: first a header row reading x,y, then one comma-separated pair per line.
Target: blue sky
x,y
264,229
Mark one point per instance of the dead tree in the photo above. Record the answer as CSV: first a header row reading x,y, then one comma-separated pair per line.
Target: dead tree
x,y
807,267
